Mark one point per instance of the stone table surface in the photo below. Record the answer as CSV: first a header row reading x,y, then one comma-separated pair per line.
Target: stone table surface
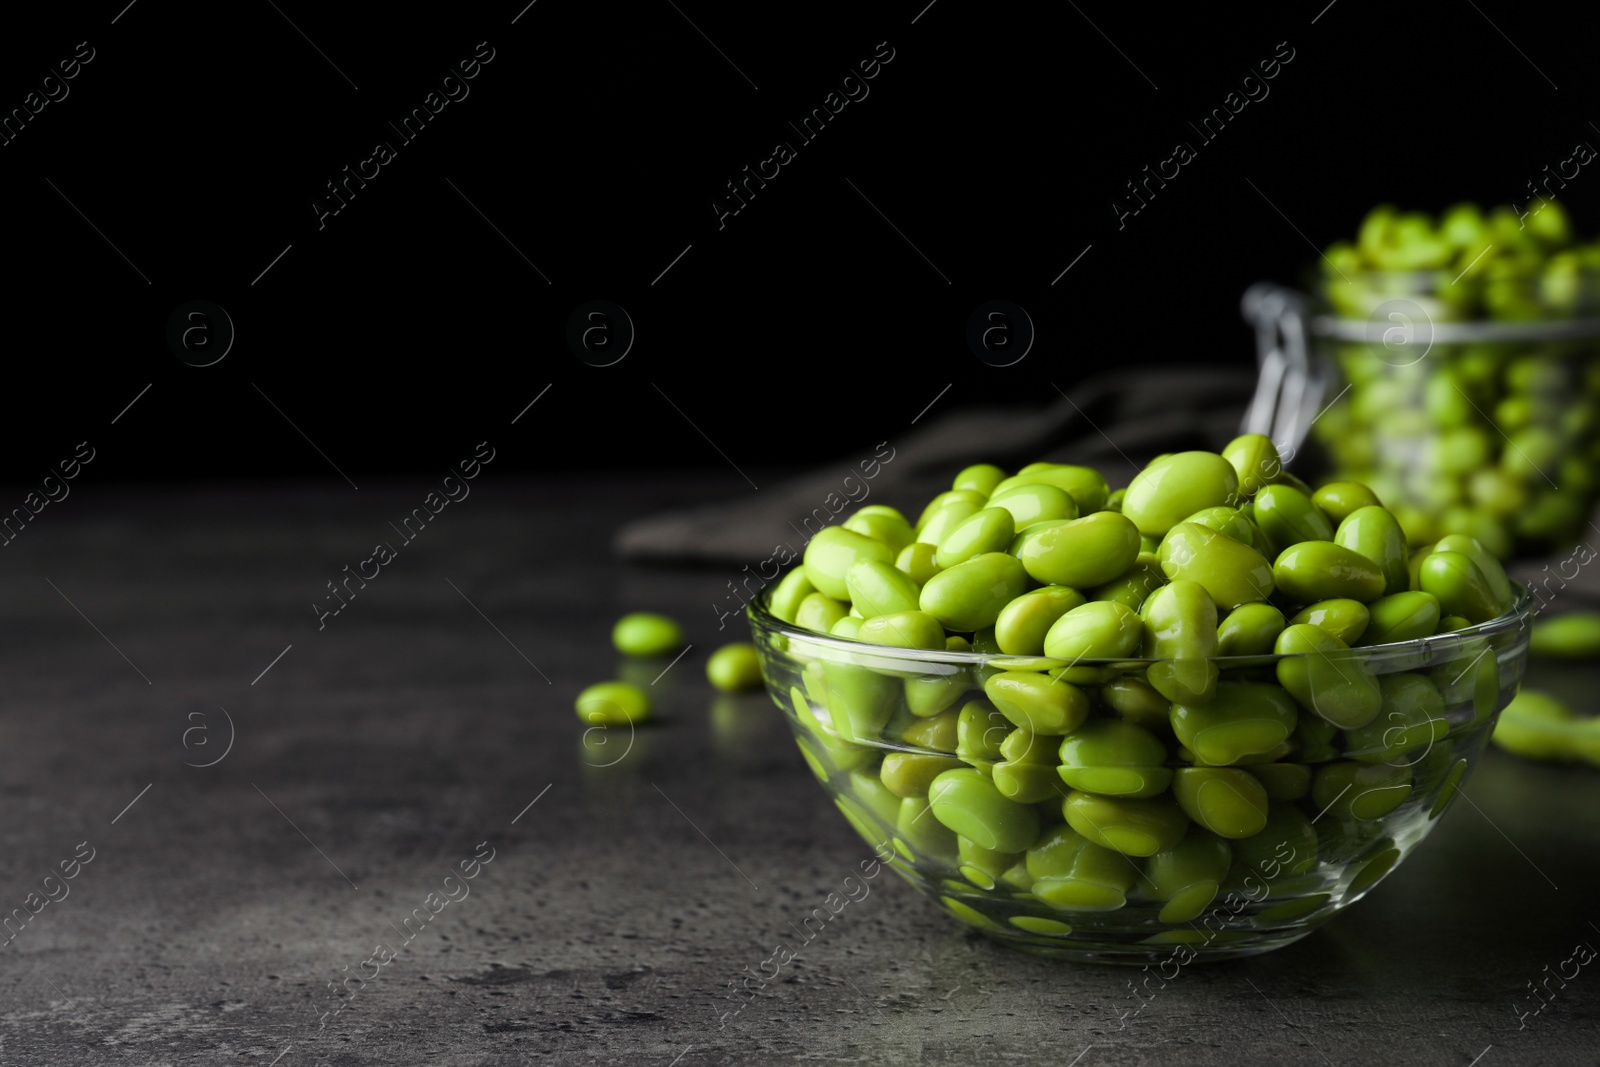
x,y
262,802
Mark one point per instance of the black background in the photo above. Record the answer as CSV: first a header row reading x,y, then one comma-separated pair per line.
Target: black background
x,y
407,328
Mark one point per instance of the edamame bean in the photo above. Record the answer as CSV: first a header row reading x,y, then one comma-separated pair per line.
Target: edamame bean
x,y
860,701
1224,520
1080,553
921,837
1287,516
1462,588
1186,877
985,530
1309,571
1363,791
1233,573
1535,725
1372,532
1325,678
734,667
1493,572
1250,630
975,500
980,478
1038,702
1227,801
1412,717
1286,846
1114,757
1176,486
939,731
1035,502
1181,630
980,730
879,588
903,629
1137,702
1022,625
1085,485
971,595
908,774
1245,722
970,805
1338,500
1401,617
613,704
1101,629
1134,586
1070,872
1131,827
882,523
918,561
645,634
1344,619
832,551
788,594
983,867
949,516
819,611
1575,635
1255,462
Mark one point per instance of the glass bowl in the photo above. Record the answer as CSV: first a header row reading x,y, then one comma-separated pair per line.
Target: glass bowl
x,y
1112,867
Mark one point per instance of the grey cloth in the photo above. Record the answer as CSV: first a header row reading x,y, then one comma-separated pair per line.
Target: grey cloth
x,y
1114,421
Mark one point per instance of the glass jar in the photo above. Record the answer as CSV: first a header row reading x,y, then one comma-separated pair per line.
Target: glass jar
x,y
1467,404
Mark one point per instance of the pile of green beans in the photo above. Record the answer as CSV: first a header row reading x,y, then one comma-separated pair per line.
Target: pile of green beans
x,y
1496,439
1179,687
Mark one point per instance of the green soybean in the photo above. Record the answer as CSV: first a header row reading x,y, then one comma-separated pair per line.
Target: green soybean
x,y
903,629
1181,630
1287,516
1255,462
1286,846
1080,553
1363,791
734,667
833,550
983,867
1250,630
1131,827
1244,722
980,730
882,523
971,499
1035,502
788,594
1086,486
819,612
1345,619
1038,702
1462,588
1401,617
1137,702
645,634
879,588
1309,571
1232,572
939,731
1227,801
1022,625
613,704
1176,486
918,562
969,804
971,595
1322,675
948,517
1575,635
1133,586
908,774
1375,533
1101,629
1185,877
1412,717
1092,878
1283,781
1493,572
980,478
1339,499
1114,757
985,530
1536,725
1224,520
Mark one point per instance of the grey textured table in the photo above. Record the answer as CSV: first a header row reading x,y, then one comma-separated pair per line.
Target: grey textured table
x,y
373,756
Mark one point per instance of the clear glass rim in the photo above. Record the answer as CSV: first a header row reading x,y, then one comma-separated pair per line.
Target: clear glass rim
x,y
763,621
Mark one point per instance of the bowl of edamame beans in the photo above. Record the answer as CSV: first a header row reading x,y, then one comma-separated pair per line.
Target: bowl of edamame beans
x,y
1192,718
1461,358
